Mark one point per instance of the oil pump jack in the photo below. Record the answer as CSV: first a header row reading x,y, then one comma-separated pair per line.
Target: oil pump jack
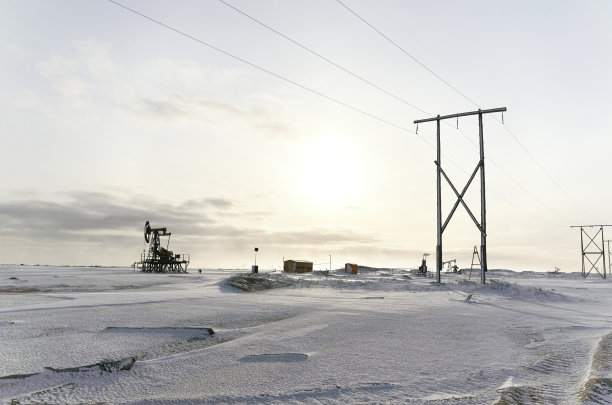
x,y
157,259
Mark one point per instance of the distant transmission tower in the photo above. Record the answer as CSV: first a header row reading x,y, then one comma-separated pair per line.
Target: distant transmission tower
x,y
609,259
592,249
482,225
475,256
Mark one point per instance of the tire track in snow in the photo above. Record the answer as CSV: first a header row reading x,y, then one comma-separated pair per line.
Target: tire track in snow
x,y
597,388
554,377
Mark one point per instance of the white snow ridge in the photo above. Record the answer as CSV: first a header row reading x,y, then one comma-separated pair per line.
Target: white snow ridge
x,y
111,335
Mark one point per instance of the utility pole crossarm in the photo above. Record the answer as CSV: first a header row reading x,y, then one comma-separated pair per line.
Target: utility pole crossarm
x,y
588,226
445,117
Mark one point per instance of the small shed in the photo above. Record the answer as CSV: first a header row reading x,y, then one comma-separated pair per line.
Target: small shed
x,y
298,266
351,268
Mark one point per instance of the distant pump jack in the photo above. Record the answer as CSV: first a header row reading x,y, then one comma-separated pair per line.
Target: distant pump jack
x,y
158,259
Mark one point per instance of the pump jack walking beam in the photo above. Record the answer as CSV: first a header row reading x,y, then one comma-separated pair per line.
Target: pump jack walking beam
x,y
482,226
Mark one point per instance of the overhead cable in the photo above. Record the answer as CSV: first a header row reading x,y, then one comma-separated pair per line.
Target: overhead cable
x,y
550,177
316,92
538,164
406,53
324,58
346,70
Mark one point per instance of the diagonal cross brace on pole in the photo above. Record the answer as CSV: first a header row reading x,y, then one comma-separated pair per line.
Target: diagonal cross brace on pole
x,y
592,241
482,225
593,264
600,252
460,198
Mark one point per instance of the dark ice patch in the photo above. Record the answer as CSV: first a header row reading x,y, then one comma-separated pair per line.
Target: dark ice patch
x,y
187,332
105,366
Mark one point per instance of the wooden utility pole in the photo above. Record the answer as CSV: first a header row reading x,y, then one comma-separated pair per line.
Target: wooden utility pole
x,y
482,225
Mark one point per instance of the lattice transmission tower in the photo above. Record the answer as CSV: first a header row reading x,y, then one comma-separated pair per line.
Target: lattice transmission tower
x,y
592,249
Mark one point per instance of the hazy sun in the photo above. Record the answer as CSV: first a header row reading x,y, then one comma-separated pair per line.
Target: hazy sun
x,y
330,175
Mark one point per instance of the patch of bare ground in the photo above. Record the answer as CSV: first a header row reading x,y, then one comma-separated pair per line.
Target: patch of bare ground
x,y
251,282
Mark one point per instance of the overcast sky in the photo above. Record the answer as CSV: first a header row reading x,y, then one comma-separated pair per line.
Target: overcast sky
x,y
110,119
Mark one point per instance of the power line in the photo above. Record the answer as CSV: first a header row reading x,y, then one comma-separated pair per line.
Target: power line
x,y
407,54
512,179
538,164
316,92
541,167
518,184
527,191
325,58
278,76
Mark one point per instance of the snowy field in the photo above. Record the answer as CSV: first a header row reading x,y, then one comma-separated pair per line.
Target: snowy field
x,y
112,335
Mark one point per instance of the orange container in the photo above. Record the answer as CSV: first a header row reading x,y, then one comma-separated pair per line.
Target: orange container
x,y
351,268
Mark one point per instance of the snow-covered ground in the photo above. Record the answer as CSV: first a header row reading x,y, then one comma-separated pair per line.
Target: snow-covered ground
x,y
112,335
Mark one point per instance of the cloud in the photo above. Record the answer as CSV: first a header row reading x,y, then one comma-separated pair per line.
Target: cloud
x,y
57,66
96,58
217,107
100,222
220,203
164,110
87,79
80,82
179,107
318,237
83,213
77,214
66,77
239,236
